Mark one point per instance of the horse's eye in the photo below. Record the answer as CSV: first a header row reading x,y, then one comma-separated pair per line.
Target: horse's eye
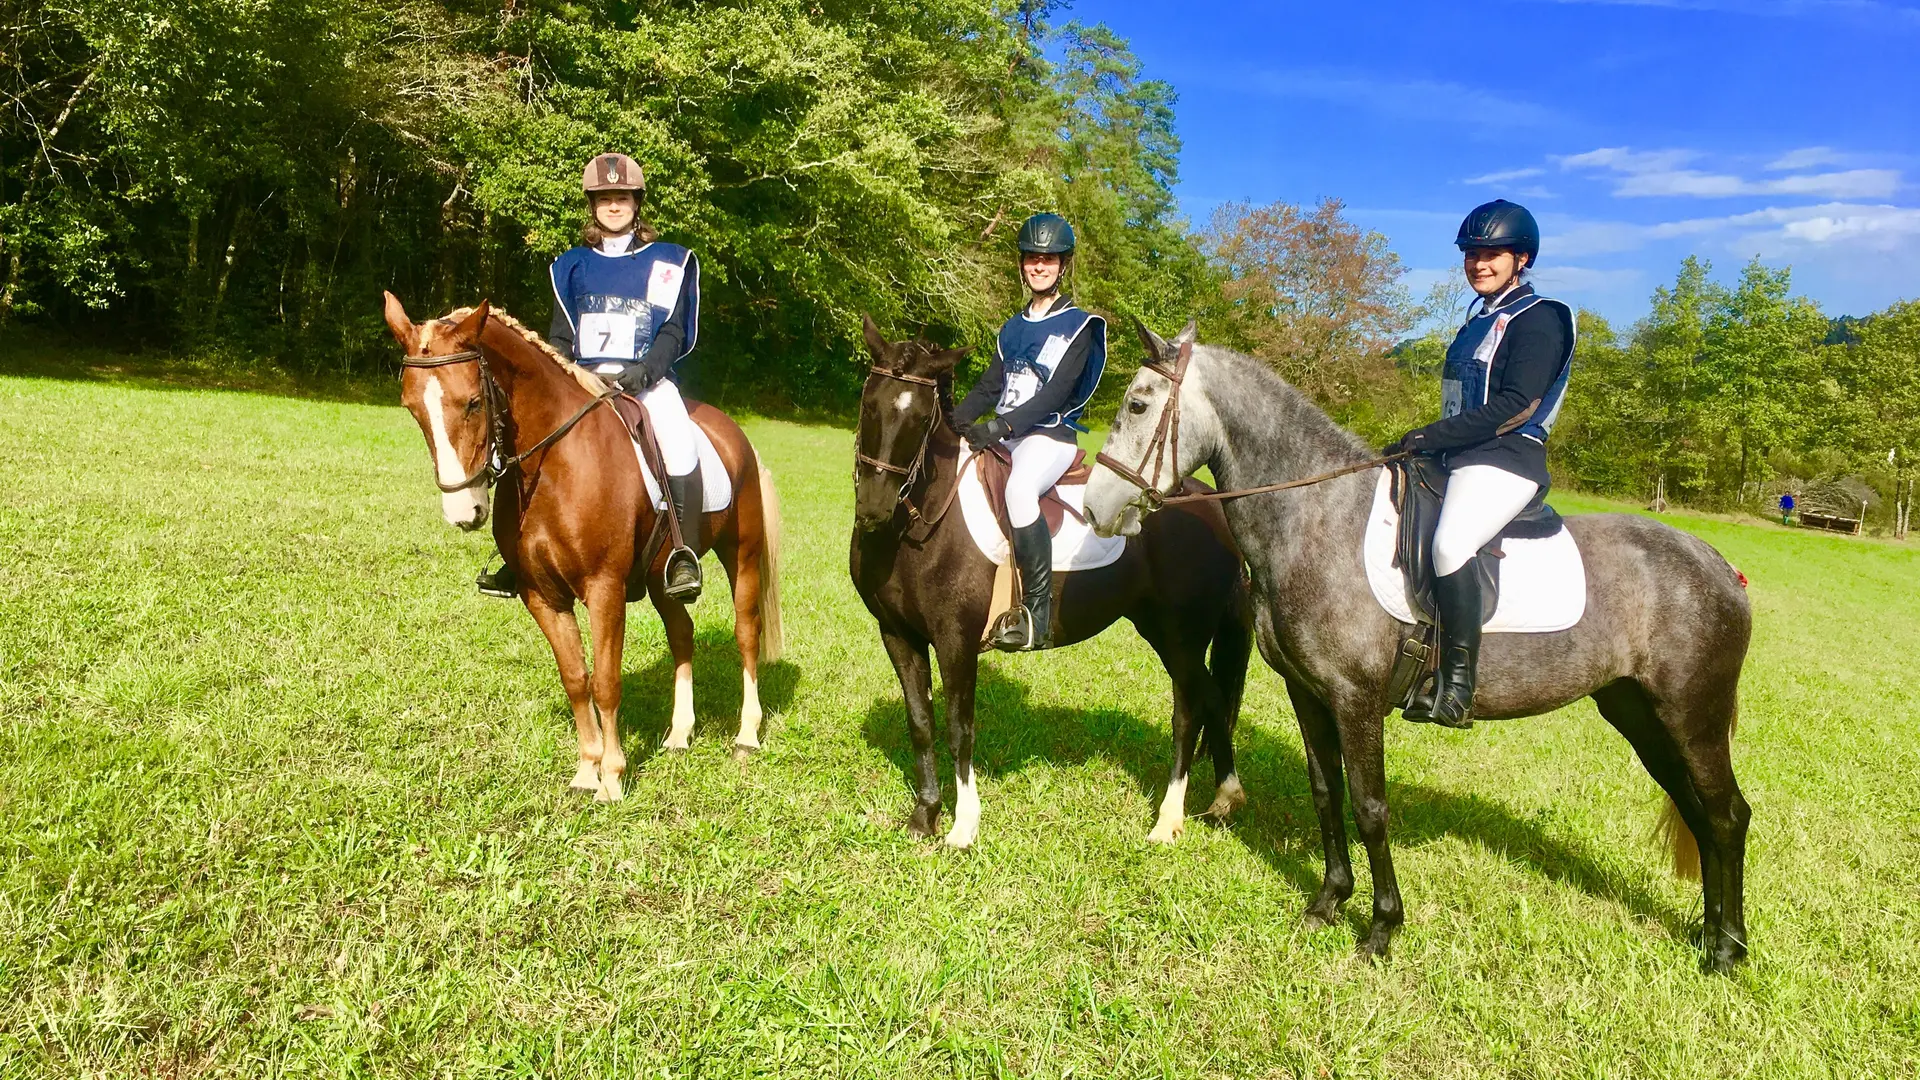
x,y
1136,406
473,405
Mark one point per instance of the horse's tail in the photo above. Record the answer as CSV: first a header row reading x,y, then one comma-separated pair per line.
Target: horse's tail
x,y
771,639
1672,831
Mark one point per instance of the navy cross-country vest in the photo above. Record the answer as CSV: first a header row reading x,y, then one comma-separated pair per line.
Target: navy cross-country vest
x,y
617,303
1466,381
1030,350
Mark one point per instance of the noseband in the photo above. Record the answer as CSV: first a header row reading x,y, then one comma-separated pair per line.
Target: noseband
x,y
492,467
910,473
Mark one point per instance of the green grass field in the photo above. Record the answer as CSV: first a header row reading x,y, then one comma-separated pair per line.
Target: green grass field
x,y
280,795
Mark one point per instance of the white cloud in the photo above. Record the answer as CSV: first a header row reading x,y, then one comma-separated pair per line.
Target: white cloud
x,y
1644,173
1503,177
1773,230
1807,157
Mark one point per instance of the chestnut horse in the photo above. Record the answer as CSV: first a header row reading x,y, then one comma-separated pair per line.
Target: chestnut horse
x,y
572,517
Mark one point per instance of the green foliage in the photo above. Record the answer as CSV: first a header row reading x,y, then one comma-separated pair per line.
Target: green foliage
x,y
254,173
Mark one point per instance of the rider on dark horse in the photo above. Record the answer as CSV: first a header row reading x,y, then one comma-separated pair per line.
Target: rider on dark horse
x,y
1505,378
1046,366
627,307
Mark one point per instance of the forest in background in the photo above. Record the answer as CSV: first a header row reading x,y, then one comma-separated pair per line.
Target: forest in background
x,y
238,179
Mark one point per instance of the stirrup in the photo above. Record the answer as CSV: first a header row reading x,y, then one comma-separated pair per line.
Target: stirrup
x,y
686,590
500,583
1013,632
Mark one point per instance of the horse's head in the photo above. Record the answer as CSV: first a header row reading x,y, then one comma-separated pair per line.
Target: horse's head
x,y
900,407
1154,436
449,400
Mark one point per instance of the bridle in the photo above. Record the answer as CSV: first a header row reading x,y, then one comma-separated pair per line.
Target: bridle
x,y
1165,445
492,466
909,474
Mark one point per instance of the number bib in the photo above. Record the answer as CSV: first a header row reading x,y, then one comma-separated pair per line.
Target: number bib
x,y
607,335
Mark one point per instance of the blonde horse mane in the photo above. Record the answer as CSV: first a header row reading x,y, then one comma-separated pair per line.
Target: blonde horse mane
x,y
593,384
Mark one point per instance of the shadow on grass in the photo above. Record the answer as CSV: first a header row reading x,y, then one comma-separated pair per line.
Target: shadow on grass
x,y
1279,822
646,695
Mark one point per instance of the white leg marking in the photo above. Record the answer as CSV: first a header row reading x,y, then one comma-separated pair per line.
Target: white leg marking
x,y
461,508
586,777
1228,796
749,736
966,814
1173,814
904,401
613,761
682,728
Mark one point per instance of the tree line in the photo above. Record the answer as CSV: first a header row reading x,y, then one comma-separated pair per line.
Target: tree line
x,y
243,179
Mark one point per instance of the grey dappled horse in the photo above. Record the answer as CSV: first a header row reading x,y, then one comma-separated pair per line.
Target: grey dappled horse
x,y
1659,648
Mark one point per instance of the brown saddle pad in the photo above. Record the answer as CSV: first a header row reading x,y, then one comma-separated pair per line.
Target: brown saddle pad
x,y
996,462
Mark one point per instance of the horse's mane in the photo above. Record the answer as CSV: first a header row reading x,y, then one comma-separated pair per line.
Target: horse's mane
x,y
1305,417
592,383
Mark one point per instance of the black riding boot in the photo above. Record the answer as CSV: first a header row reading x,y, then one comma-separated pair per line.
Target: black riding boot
x,y
1030,626
501,582
1458,597
683,563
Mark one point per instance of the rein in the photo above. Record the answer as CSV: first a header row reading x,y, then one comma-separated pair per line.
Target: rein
x,y
1165,445
492,468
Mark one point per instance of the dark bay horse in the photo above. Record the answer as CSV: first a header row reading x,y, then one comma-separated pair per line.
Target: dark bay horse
x,y
573,519
927,583
1659,649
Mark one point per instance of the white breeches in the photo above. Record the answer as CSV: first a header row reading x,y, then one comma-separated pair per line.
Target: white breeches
x,y
1481,499
1038,461
671,426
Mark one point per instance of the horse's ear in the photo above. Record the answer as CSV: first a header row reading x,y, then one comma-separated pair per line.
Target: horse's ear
x,y
876,345
469,329
397,322
1187,335
1156,346
945,360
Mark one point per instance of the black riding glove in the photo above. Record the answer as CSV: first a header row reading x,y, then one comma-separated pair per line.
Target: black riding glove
x,y
635,379
985,434
1413,442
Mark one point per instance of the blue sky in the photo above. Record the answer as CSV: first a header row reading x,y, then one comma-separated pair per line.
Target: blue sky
x,y
1638,131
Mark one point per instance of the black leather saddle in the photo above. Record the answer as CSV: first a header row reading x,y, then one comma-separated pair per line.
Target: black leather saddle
x,y
1419,485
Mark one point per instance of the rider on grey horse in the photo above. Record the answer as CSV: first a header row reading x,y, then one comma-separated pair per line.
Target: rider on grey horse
x,y
1505,378
1046,366
627,307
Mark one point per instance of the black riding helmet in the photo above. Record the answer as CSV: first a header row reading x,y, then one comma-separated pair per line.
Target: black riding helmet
x,y
1501,224
1046,234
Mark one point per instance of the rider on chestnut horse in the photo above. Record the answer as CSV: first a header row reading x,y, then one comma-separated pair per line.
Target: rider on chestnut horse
x,y
627,307
1046,366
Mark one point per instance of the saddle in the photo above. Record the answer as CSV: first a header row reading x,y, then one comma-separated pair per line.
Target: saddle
x,y
995,463
639,428
1419,488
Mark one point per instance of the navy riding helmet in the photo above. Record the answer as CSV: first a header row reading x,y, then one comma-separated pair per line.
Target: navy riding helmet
x,y
1046,234
1501,224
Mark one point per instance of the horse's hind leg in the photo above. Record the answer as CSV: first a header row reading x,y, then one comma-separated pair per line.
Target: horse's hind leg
x,y
1324,775
1232,646
743,572
959,671
1686,748
563,636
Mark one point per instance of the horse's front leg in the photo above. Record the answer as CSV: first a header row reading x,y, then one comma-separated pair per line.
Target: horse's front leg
x,y
1190,693
916,686
1362,746
1325,777
679,626
959,671
607,614
563,636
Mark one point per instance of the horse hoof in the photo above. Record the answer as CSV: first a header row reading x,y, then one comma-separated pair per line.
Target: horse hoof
x,y
673,747
585,778
1166,834
1318,920
924,824
1228,797
744,753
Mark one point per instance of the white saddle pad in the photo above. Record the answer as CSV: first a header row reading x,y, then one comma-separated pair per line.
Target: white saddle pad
x,y
1543,583
1075,548
716,486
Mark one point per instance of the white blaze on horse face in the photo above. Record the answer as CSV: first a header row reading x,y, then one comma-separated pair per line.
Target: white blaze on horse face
x,y
966,814
466,508
904,401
